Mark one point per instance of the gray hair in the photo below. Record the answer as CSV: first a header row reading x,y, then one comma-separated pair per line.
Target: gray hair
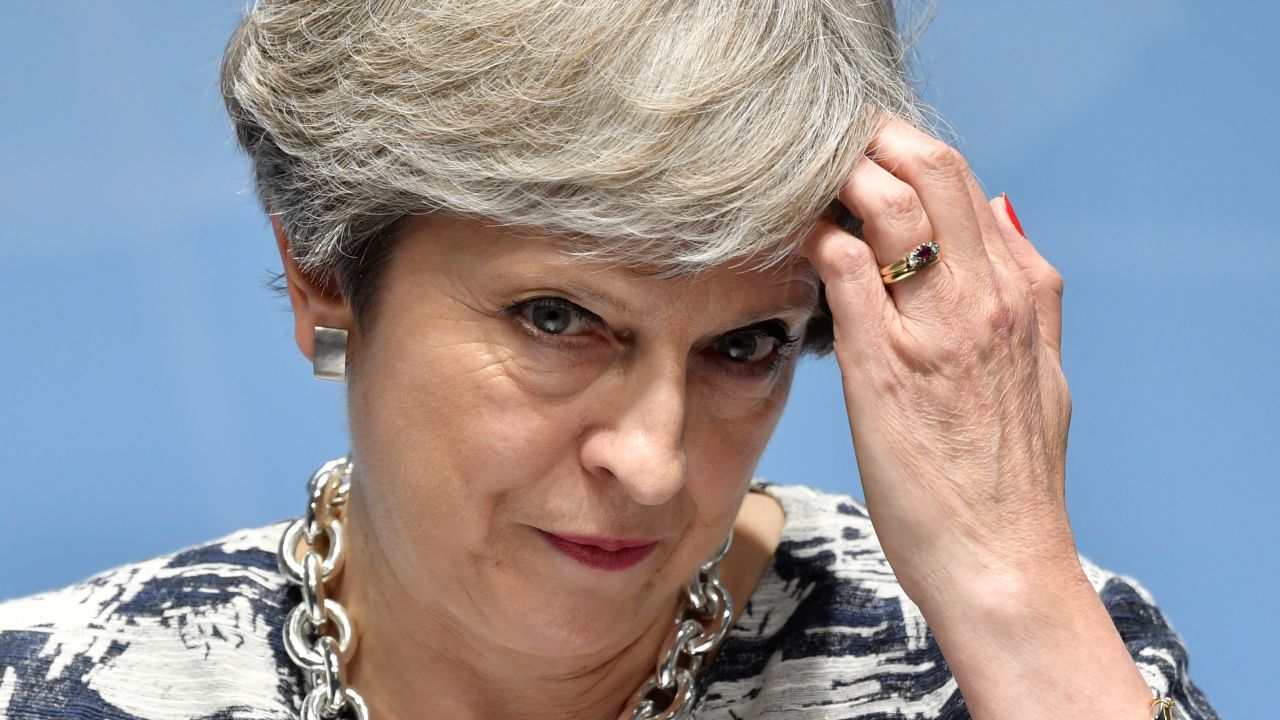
x,y
673,134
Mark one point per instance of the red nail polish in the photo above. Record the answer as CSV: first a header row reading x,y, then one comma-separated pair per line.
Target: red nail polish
x,y
1008,206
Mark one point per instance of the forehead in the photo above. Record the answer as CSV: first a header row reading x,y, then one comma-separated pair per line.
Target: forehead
x,y
505,253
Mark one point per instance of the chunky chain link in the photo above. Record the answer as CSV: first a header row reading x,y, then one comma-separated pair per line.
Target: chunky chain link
x,y
701,624
321,656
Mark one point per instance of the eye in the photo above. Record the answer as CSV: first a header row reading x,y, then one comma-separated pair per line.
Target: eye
x,y
758,347
744,347
554,316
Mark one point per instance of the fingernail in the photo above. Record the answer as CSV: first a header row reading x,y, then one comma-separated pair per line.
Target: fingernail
x,y
1008,206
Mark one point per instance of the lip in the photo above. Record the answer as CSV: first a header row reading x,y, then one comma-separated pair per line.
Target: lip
x,y
601,553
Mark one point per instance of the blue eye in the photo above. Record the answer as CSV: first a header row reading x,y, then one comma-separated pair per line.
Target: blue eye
x,y
554,316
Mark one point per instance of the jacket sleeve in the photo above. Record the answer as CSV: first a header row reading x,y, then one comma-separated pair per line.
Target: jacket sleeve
x,y
1158,649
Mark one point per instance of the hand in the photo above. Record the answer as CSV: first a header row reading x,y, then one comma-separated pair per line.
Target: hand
x,y
952,377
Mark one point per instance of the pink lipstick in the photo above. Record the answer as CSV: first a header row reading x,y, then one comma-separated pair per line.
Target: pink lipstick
x,y
601,553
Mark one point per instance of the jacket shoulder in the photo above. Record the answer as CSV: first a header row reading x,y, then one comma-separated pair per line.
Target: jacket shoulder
x,y
185,634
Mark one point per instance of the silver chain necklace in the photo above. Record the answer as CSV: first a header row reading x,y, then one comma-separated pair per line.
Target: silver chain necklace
x,y
701,623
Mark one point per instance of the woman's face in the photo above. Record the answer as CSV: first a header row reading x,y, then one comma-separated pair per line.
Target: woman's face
x,y
506,389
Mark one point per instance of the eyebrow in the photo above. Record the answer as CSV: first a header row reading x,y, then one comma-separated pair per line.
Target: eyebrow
x,y
796,309
792,307
616,305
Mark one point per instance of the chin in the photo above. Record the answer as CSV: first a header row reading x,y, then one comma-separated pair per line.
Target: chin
x,y
563,622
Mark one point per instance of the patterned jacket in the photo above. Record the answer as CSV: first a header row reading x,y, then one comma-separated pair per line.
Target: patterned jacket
x,y
828,633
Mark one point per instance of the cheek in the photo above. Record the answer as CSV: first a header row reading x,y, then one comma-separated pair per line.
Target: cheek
x,y
544,370
740,412
444,432
726,436
731,394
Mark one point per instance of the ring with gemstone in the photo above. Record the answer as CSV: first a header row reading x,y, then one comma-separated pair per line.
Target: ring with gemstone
x,y
921,257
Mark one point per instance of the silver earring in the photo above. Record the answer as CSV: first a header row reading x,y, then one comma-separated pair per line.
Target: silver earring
x,y
329,354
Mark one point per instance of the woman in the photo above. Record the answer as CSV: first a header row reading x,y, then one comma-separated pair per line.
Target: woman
x,y
566,259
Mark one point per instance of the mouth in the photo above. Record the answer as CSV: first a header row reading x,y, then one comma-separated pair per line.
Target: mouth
x,y
601,553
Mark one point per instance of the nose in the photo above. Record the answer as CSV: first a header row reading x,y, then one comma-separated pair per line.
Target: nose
x,y
637,435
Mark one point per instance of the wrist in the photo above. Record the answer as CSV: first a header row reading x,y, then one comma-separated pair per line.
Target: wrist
x,y
1019,643
971,589
1012,599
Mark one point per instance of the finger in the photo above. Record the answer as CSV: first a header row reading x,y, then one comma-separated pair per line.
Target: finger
x,y
861,310
993,238
1045,281
894,223
937,173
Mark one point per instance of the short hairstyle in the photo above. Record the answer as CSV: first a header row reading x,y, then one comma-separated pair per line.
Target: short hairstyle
x,y
676,135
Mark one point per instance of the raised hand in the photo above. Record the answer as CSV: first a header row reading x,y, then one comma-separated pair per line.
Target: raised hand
x,y
952,376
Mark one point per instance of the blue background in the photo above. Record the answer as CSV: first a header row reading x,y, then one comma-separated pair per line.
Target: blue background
x,y
153,397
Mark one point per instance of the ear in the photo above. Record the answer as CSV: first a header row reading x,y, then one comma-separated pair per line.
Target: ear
x,y
313,304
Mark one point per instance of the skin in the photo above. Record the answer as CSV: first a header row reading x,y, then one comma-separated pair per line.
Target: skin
x,y
468,434
472,428
959,412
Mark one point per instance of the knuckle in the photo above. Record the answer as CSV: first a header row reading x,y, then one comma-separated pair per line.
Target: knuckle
x,y
901,200
900,206
850,258
1052,279
941,158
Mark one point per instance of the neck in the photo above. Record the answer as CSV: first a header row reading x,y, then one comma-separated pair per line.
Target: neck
x,y
415,661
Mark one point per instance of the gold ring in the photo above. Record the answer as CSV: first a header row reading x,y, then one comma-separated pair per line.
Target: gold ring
x,y
924,255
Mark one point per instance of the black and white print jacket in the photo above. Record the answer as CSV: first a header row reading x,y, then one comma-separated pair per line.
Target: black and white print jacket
x,y
828,634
